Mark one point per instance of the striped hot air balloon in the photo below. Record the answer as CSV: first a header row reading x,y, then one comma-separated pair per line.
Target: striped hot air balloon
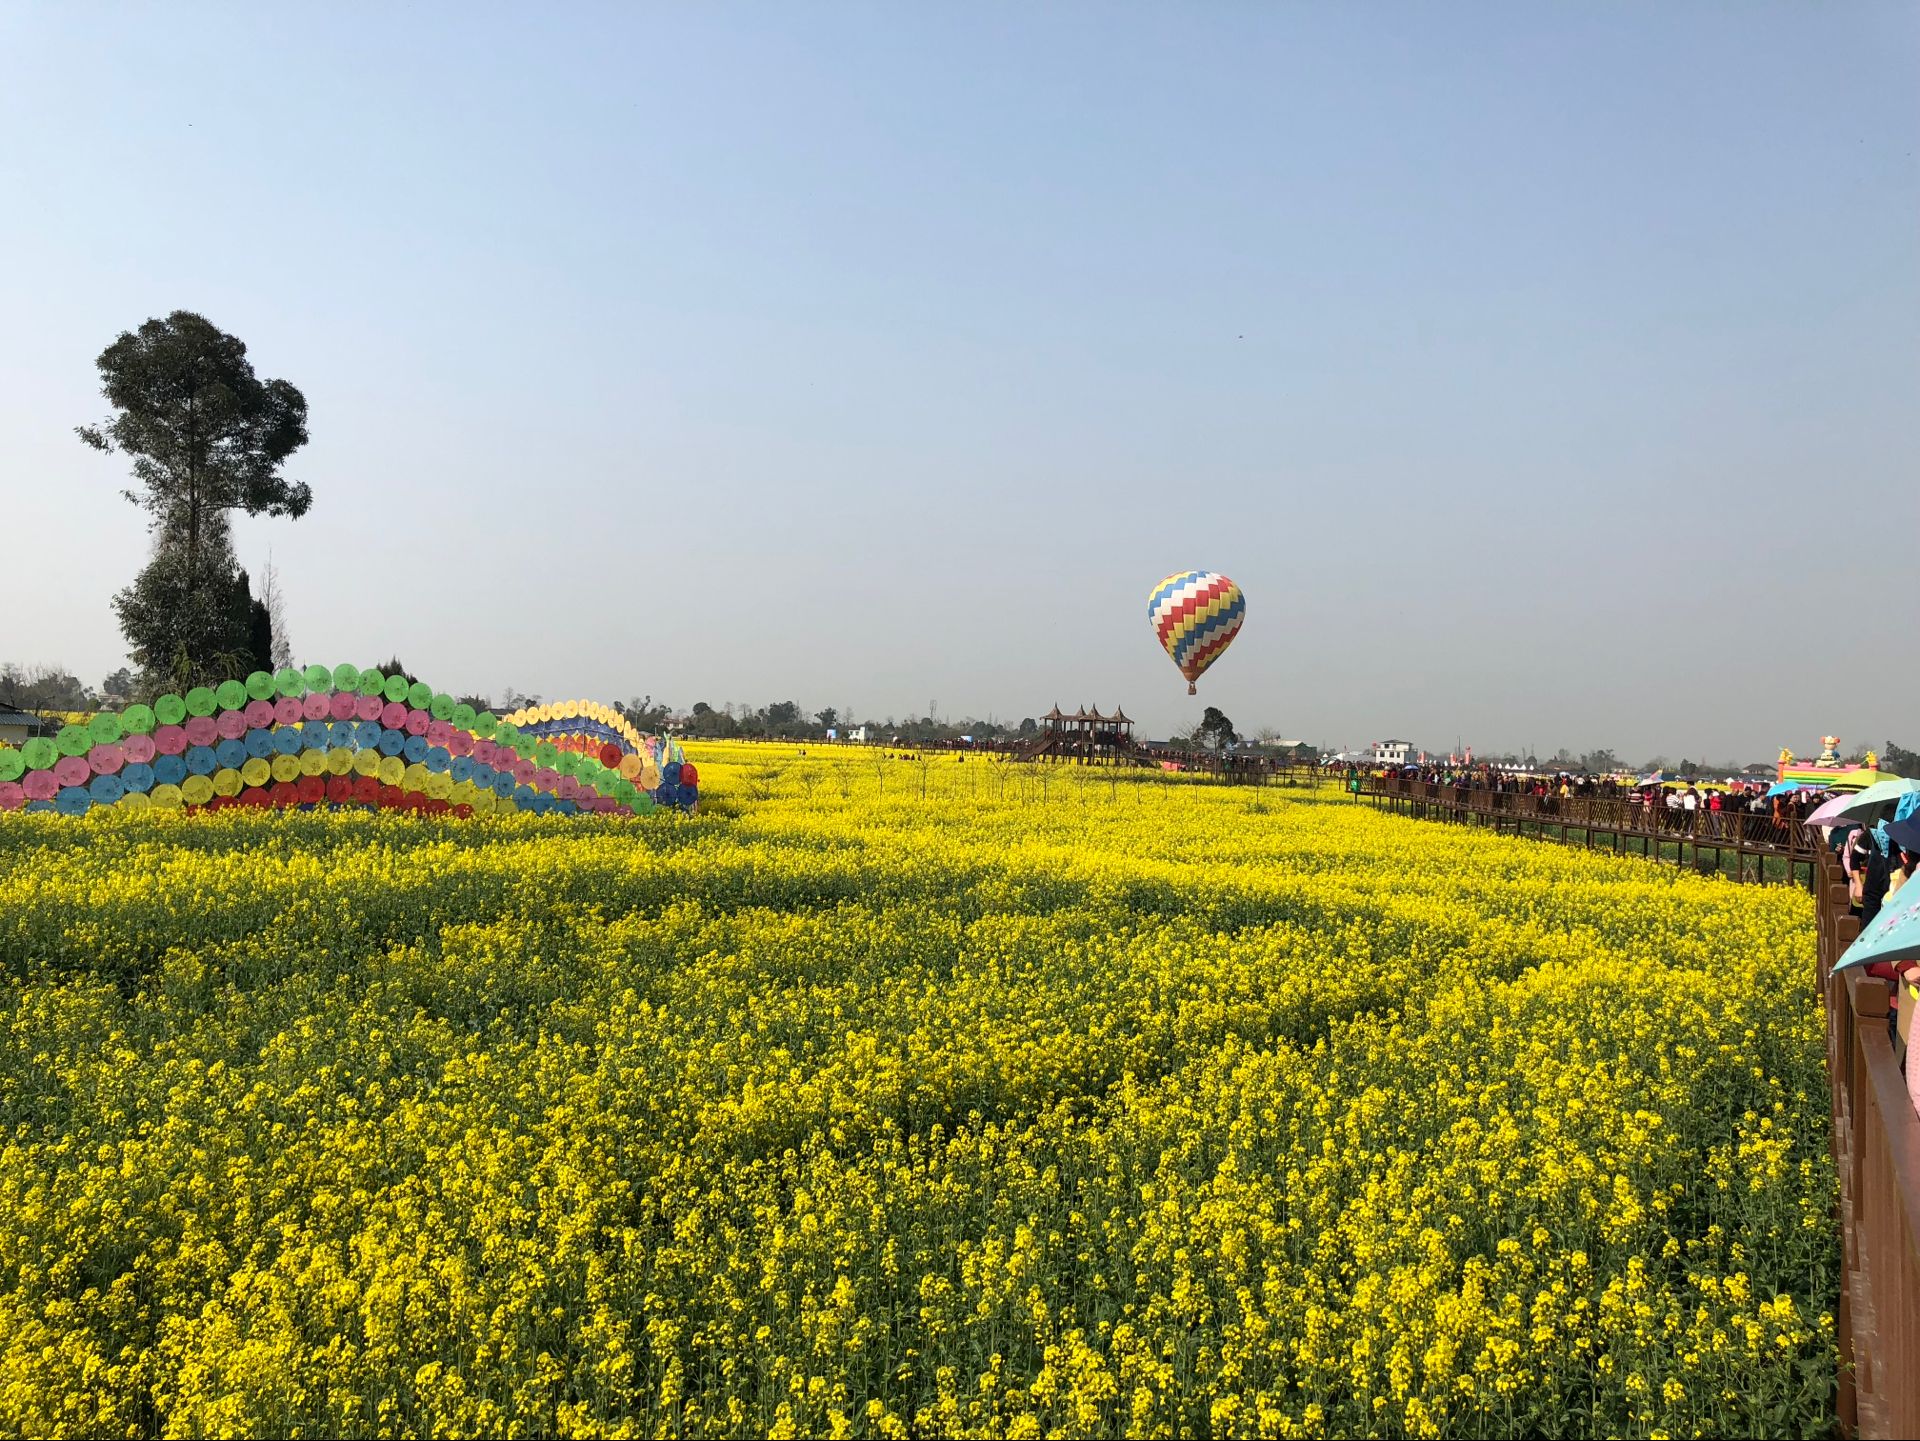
x,y
1196,614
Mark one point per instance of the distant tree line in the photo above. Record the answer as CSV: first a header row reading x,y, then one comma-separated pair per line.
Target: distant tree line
x,y
41,690
49,689
785,719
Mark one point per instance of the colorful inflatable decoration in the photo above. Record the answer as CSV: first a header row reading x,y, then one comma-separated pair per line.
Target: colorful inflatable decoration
x,y
340,737
1196,614
656,764
1827,771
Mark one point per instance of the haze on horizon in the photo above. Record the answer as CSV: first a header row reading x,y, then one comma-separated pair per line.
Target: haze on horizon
x,y
1544,376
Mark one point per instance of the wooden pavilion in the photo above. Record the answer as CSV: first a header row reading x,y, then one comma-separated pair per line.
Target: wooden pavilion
x,y
1085,736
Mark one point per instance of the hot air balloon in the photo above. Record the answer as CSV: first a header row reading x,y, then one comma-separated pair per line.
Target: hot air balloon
x,y
1196,614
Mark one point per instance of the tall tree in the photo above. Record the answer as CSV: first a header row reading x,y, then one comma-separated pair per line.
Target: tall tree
x,y
182,631
206,434
280,650
1215,731
261,643
206,437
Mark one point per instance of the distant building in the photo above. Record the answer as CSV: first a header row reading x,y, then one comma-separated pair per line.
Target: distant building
x,y
1289,750
17,727
857,734
1391,753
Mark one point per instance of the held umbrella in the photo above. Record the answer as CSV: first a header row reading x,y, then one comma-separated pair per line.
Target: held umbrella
x,y
1895,932
1780,788
1862,804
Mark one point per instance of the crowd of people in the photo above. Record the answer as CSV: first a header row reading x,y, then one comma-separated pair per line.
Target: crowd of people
x,y
1691,807
1878,861
1878,858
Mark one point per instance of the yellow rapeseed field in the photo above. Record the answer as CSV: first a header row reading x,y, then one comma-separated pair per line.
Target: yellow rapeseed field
x,y
890,1097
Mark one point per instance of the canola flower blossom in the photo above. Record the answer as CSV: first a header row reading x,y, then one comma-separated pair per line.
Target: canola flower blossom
x,y
889,1099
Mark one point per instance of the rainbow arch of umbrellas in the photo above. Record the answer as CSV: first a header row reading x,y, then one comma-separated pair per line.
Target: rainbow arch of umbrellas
x,y
347,737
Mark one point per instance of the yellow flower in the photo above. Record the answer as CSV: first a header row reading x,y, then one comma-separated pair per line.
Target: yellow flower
x,y
1001,1101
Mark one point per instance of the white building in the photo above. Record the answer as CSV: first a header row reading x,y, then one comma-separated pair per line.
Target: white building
x,y
1392,753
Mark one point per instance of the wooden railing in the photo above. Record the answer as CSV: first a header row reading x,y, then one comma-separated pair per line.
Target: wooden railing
x,y
1761,847
1876,1150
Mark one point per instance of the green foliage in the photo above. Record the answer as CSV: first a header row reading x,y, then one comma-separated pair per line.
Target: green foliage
x,y
1215,730
206,437
40,688
184,629
645,714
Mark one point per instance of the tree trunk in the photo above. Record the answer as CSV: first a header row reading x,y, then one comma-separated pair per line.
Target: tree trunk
x,y
193,494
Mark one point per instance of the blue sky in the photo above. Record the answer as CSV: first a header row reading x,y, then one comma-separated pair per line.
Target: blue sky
x,y
1532,368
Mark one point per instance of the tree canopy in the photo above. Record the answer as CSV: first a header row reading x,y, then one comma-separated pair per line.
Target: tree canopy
x,y
182,630
1215,731
41,688
206,434
207,437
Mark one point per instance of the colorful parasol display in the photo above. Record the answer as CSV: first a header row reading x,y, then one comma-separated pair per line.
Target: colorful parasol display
x,y
654,763
343,737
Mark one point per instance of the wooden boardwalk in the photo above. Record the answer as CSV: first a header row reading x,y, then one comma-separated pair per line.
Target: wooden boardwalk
x,y
1737,844
1876,1150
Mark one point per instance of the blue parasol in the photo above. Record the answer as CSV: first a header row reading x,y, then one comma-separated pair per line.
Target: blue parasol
x,y
1893,936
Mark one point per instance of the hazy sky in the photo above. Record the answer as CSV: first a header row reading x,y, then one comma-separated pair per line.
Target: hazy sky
x,y
1544,375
